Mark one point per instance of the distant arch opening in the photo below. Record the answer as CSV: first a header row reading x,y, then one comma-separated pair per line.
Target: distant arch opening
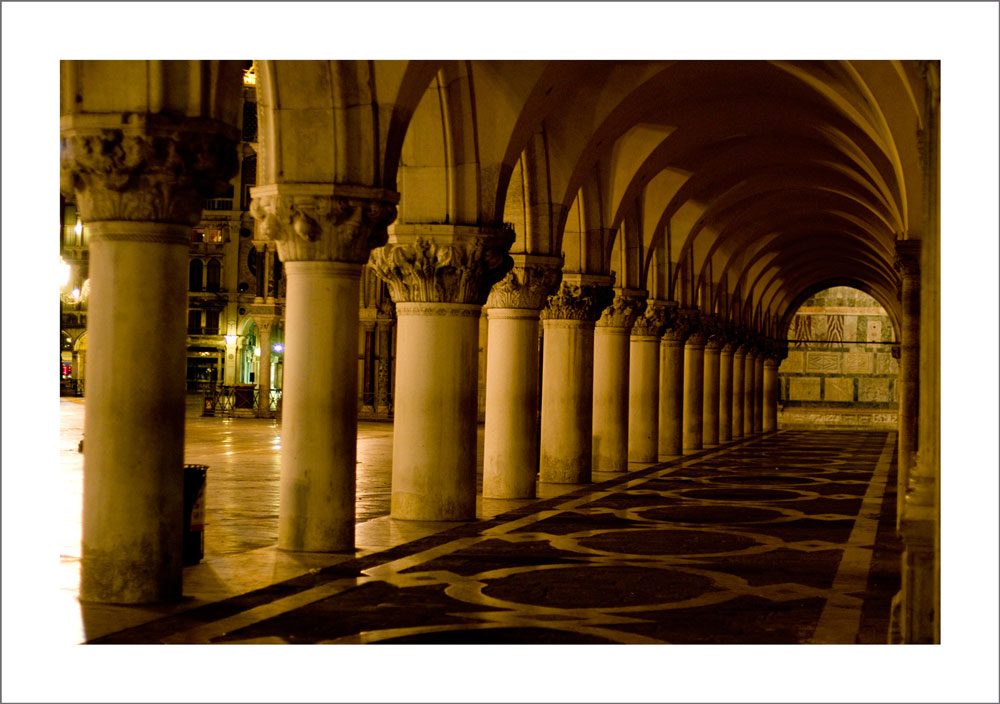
x,y
841,370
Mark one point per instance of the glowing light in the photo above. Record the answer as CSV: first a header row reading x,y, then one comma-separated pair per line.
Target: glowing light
x,y
230,339
250,76
256,351
75,295
65,271
278,347
78,229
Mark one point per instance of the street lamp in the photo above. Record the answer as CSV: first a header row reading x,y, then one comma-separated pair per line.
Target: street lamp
x,y
278,347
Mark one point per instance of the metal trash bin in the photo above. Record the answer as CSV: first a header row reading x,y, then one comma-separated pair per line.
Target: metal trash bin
x,y
194,513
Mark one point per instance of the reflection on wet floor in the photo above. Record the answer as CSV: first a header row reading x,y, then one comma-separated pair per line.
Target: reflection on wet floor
x,y
781,538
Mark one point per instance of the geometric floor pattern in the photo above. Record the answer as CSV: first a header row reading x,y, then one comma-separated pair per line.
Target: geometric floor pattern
x,y
784,539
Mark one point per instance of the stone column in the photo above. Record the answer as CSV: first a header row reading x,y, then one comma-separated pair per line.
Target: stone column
x,y
611,380
694,378
908,381
776,353
324,233
758,390
672,380
739,388
567,377
385,319
644,384
726,390
710,403
510,444
138,183
439,277
749,384
266,317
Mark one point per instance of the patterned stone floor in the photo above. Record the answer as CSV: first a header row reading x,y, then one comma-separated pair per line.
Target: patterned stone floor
x,y
785,538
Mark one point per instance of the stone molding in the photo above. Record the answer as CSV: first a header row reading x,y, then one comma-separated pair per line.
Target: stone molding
x,y
439,308
581,302
461,269
153,232
626,307
310,223
652,322
146,171
525,286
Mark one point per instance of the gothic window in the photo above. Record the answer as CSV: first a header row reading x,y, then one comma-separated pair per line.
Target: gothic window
x,y
211,322
195,275
194,322
214,274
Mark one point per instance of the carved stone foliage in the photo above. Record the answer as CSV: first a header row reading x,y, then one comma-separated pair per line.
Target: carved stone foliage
x,y
459,271
314,227
714,331
160,177
679,324
623,312
525,287
652,322
578,302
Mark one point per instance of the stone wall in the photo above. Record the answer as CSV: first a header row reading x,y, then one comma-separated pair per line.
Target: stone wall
x,y
840,370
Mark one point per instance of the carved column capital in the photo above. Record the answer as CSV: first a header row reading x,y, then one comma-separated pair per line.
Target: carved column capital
x,y
627,306
578,299
323,222
714,330
678,325
652,322
698,326
145,168
451,265
528,284
265,316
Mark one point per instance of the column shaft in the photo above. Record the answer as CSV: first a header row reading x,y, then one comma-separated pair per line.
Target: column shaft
x,y
567,401
908,382
710,408
510,447
739,391
749,384
758,394
694,376
671,396
134,425
770,407
610,405
264,371
726,393
434,444
643,399
319,409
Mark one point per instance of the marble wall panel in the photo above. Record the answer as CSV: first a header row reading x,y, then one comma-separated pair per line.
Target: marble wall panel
x,y
850,327
838,388
804,389
874,331
823,362
858,363
885,364
873,390
793,363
